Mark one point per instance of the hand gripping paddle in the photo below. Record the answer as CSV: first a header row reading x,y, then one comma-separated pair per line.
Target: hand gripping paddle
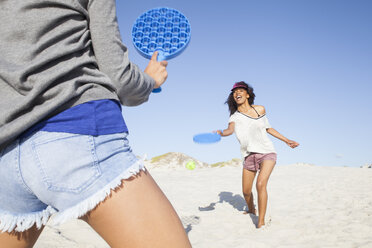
x,y
164,30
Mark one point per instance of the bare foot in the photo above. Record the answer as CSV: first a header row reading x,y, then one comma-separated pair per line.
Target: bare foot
x,y
254,212
259,225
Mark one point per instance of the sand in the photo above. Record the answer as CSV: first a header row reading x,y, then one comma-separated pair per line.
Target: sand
x,y
309,206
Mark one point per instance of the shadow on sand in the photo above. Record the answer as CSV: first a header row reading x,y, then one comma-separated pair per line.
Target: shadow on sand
x,y
236,201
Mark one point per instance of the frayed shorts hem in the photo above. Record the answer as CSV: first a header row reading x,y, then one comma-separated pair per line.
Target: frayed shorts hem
x,y
90,203
20,223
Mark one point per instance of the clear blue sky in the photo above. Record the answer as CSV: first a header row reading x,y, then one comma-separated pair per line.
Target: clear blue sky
x,y
310,63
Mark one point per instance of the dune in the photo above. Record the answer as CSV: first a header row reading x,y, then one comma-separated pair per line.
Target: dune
x,y
309,206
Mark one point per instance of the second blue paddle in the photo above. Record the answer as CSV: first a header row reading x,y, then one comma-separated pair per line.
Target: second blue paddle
x,y
207,138
164,30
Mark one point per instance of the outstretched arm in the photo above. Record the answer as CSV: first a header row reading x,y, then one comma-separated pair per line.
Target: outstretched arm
x,y
228,131
277,135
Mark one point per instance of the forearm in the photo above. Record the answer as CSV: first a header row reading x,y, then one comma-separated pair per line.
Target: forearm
x,y
225,132
276,134
228,131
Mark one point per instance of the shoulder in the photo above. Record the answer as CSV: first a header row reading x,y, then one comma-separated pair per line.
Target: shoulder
x,y
260,109
234,116
236,113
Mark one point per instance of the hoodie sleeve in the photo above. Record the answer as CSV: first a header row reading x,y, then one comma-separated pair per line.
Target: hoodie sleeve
x,y
133,86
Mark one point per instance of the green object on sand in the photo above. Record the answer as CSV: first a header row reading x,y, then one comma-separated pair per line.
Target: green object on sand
x,y
190,165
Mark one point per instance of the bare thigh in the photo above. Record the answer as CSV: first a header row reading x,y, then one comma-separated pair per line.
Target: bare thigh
x,y
138,214
267,167
20,239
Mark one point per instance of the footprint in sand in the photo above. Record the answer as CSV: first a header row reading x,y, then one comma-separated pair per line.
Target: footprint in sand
x,y
189,221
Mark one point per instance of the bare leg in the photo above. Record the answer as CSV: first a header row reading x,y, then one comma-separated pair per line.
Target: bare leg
x,y
267,167
247,182
138,214
25,239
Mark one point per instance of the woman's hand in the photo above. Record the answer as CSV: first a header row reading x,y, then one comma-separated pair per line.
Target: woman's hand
x,y
292,143
228,131
157,70
218,131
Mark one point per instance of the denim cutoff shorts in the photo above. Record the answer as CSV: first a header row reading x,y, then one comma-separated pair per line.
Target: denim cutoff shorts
x,y
63,173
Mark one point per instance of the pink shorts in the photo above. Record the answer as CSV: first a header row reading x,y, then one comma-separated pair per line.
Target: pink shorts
x,y
253,161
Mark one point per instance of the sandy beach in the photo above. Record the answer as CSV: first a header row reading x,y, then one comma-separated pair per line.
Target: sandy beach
x,y
309,206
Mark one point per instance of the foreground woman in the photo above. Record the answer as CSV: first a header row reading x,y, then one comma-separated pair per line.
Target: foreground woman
x,y
64,74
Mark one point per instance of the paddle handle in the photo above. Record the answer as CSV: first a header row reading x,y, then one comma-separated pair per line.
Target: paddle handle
x,y
161,57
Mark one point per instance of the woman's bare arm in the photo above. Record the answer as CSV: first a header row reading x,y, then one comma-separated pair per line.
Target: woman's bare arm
x,y
277,135
228,131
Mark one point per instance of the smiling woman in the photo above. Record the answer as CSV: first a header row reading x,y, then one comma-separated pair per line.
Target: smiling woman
x,y
251,126
235,97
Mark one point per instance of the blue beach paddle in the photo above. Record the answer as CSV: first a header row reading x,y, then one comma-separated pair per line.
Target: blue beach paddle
x,y
207,138
164,30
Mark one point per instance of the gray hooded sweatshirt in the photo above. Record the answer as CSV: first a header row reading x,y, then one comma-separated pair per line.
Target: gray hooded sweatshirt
x,y
56,54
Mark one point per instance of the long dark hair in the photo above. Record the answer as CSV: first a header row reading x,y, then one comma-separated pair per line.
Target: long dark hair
x,y
230,100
